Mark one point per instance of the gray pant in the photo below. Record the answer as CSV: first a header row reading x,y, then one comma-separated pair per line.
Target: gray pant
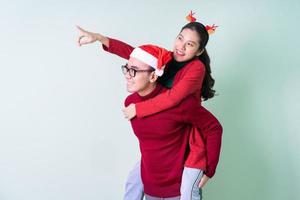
x,y
134,189
148,197
189,189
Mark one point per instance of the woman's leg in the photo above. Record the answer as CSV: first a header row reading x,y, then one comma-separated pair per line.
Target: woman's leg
x,y
189,185
134,188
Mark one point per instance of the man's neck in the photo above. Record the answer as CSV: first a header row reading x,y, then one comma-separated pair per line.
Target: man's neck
x,y
147,90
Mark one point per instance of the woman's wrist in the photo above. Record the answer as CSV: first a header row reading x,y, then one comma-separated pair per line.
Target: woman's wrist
x,y
102,39
99,37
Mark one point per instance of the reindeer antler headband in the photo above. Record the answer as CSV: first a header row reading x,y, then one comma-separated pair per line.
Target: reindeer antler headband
x,y
210,29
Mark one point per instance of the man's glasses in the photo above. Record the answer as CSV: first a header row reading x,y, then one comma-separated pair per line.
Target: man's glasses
x,y
132,72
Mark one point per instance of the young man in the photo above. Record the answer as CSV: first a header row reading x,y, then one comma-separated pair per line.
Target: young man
x,y
163,137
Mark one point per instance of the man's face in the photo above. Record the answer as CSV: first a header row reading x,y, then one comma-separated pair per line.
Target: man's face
x,y
141,81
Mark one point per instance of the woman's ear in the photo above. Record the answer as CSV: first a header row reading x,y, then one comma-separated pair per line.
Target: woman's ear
x,y
153,77
200,52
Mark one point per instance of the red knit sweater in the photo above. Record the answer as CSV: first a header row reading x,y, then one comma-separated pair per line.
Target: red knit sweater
x,y
163,139
204,151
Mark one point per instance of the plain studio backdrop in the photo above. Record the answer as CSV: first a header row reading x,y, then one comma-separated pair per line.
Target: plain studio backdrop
x,y
62,132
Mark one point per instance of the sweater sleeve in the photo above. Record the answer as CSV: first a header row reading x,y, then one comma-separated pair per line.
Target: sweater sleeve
x,y
213,148
118,48
190,82
211,130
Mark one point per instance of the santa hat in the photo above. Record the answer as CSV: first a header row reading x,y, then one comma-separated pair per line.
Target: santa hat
x,y
152,55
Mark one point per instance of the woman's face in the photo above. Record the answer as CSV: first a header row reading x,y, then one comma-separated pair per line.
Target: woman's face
x,y
186,45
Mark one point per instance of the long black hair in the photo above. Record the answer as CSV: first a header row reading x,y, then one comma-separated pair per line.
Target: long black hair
x,y
207,91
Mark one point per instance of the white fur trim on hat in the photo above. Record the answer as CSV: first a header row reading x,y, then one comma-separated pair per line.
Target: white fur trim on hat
x,y
144,56
159,72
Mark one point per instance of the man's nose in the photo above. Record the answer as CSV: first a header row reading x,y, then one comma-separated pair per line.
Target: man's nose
x,y
127,75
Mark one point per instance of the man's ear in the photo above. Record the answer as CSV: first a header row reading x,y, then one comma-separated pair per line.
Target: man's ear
x,y
153,77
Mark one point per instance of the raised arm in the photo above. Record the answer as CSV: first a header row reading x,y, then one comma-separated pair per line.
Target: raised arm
x,y
118,48
190,82
108,44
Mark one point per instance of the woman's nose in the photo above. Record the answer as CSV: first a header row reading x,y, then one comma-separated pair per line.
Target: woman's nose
x,y
181,46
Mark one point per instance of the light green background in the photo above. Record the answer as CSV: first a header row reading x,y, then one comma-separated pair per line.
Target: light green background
x,y
62,133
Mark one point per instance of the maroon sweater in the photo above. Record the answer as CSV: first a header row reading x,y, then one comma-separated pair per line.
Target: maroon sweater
x,y
163,139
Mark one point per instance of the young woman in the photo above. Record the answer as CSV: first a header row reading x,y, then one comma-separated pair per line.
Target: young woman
x,y
191,59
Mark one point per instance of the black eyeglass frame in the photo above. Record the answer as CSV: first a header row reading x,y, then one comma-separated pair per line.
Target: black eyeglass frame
x,y
132,72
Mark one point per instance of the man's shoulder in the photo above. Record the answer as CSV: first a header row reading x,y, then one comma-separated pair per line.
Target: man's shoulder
x,y
132,98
